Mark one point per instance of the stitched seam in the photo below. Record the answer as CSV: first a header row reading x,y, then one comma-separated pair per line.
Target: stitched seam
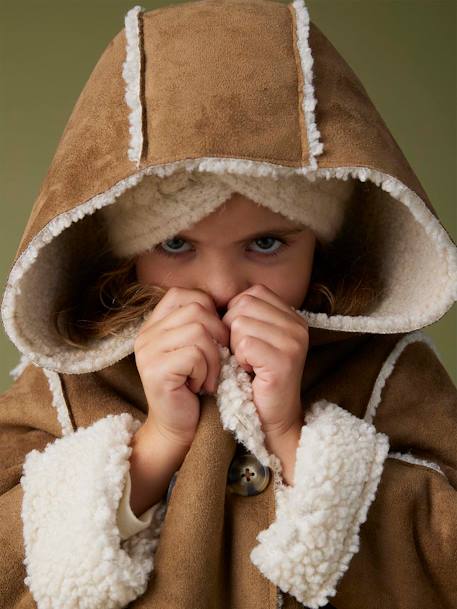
x,y
300,82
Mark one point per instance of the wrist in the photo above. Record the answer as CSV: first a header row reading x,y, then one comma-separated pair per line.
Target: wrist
x,y
277,438
284,446
153,461
150,440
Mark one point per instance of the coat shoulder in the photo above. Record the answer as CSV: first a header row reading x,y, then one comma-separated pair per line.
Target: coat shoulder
x,y
30,400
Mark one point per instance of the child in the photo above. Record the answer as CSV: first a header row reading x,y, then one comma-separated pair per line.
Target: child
x,y
233,424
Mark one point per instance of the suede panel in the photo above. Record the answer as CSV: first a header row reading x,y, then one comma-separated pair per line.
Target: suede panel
x,y
242,102
407,545
426,441
113,390
339,365
402,561
212,536
267,125
246,517
223,79
352,130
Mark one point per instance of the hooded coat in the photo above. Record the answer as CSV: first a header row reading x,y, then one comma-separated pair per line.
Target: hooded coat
x,y
254,88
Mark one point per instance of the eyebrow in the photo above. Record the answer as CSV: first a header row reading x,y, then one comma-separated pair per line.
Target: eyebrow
x,y
280,232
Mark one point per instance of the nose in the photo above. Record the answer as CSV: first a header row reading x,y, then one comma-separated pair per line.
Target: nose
x,y
222,299
222,283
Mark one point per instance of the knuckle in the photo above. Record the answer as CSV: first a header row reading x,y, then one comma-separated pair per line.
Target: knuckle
x,y
195,307
257,288
303,334
196,351
245,300
295,349
207,299
198,328
237,322
245,342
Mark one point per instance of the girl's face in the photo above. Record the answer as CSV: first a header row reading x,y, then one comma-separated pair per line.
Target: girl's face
x,y
238,245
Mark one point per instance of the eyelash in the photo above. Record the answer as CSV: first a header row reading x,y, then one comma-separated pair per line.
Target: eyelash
x,y
284,244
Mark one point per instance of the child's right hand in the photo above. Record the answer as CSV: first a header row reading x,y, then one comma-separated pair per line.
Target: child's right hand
x,y
174,343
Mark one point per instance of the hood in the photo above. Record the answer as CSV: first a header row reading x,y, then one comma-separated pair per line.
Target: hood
x,y
246,87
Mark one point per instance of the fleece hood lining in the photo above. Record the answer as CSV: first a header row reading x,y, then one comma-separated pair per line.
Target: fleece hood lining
x,y
419,268
416,255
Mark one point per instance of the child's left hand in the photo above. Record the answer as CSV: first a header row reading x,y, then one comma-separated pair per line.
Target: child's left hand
x,y
271,339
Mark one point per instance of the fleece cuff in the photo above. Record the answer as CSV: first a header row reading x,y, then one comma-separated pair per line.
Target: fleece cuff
x,y
74,555
339,462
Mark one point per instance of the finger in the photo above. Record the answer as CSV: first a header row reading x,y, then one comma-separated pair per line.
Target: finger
x,y
193,311
261,292
188,365
194,334
177,297
266,331
264,293
257,353
251,306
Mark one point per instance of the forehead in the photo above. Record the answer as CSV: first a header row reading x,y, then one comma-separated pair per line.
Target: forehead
x,y
239,216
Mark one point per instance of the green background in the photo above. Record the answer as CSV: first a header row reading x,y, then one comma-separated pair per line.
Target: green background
x,y
404,52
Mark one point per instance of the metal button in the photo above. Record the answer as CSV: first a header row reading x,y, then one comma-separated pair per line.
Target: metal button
x,y
247,476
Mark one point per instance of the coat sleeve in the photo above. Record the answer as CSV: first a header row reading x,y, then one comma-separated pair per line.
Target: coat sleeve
x,y
59,537
371,517
127,522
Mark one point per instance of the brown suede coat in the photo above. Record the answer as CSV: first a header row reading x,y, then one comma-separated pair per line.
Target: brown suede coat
x,y
227,85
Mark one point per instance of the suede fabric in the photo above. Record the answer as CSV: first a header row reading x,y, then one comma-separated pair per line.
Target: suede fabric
x,y
208,532
248,125
258,118
225,81
225,86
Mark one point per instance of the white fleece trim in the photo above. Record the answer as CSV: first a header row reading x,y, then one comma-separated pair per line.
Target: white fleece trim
x,y
381,380
16,372
239,414
55,386
309,100
279,599
309,546
63,358
131,72
58,401
410,458
74,555
389,365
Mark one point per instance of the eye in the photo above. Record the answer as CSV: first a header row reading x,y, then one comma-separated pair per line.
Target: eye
x,y
174,250
175,243
268,239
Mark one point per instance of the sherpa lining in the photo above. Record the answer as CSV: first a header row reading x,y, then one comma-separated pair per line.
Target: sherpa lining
x,y
417,261
417,258
74,555
314,552
309,546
